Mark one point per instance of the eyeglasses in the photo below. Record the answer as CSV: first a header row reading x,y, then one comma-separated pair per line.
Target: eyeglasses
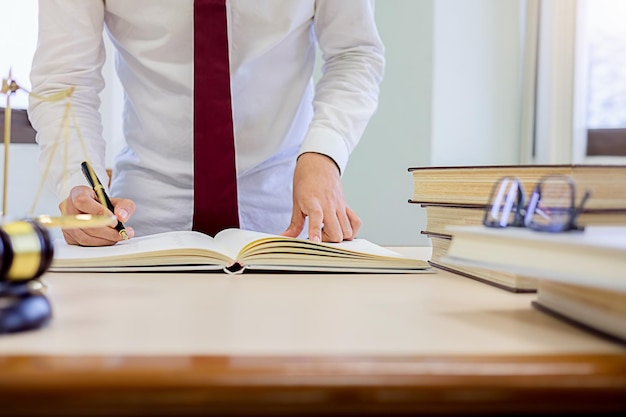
x,y
551,207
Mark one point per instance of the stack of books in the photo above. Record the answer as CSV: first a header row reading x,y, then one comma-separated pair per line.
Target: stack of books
x,y
458,195
581,275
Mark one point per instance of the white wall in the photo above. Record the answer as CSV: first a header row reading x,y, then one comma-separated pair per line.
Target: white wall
x,y
477,82
451,96
377,183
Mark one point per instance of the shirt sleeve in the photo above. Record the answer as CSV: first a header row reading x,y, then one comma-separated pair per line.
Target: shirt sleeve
x,y
70,54
346,95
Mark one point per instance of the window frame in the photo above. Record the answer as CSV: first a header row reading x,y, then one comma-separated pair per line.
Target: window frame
x,y
591,144
562,43
21,129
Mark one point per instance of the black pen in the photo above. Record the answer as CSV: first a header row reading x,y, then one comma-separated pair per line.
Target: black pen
x,y
95,183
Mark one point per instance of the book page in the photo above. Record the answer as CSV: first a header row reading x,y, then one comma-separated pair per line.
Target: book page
x,y
261,250
178,247
235,242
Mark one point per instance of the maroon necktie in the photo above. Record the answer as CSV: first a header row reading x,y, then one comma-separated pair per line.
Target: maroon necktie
x,y
215,177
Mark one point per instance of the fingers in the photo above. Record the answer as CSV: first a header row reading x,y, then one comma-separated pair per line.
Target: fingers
x,y
316,224
83,200
318,194
124,208
296,225
94,236
332,225
355,223
323,228
341,226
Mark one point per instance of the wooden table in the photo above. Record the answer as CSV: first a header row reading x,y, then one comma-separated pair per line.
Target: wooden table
x,y
302,344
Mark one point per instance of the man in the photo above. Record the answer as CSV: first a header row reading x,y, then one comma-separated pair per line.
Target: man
x,y
292,139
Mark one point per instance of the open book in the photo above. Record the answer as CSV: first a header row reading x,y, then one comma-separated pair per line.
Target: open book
x,y
233,251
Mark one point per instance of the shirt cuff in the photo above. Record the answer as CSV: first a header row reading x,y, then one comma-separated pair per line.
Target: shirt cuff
x,y
327,142
64,186
76,178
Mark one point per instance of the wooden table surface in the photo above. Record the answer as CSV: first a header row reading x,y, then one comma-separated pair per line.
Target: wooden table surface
x,y
302,344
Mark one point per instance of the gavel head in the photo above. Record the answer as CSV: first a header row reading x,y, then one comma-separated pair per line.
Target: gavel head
x,y
26,252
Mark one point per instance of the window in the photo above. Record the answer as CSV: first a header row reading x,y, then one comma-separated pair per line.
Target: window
x,y
575,82
604,46
18,39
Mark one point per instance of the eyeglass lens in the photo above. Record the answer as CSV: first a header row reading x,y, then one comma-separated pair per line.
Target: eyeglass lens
x,y
551,205
506,203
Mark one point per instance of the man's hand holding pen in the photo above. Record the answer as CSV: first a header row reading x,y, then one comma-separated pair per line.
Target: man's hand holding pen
x,y
85,200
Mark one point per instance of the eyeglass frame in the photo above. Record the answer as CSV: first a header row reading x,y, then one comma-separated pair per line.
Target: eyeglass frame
x,y
524,213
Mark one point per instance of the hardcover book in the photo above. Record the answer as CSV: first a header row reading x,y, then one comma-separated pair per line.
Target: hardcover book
x,y
508,281
471,185
440,216
600,311
594,257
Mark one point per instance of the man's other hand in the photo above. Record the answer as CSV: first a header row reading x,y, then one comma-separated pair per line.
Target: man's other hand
x,y
318,195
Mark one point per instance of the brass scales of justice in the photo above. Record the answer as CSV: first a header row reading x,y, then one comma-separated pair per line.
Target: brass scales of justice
x,y
26,249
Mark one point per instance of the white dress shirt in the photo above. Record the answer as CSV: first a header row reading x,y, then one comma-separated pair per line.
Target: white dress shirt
x,y
277,111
